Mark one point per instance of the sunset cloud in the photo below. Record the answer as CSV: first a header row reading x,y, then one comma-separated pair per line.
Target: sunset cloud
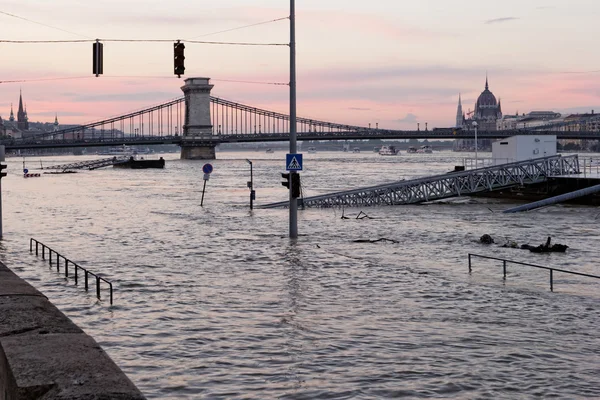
x,y
357,62
500,20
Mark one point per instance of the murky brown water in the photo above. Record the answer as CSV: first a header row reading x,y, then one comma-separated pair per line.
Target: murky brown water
x,y
215,302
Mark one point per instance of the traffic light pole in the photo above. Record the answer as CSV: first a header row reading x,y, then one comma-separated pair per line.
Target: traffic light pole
x,y
1,233
2,175
293,201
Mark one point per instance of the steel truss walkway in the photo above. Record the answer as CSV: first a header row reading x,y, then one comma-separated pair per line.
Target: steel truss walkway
x,y
91,165
447,185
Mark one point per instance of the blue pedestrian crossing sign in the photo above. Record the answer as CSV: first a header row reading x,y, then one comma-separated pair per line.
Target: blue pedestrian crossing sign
x,y
293,162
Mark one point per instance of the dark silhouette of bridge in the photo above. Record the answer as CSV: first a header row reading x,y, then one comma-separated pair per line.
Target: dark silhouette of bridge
x,y
239,123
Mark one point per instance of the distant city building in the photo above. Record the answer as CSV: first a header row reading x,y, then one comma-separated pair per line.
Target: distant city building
x,y
20,127
21,124
589,122
487,112
531,120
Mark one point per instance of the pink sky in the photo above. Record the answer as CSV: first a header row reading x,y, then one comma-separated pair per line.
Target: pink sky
x,y
382,62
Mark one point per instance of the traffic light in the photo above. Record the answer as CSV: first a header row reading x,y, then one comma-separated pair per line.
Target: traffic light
x,y
97,56
2,168
287,180
295,185
178,58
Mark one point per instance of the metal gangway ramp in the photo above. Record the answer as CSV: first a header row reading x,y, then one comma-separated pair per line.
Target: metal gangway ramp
x,y
447,185
91,164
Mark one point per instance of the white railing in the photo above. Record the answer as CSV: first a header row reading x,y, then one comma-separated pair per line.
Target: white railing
x,y
589,165
472,163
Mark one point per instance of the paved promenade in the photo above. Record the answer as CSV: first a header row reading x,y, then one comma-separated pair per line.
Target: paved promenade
x,y
44,355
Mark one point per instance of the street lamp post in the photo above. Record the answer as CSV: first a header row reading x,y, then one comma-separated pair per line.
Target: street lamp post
x,y
251,185
475,125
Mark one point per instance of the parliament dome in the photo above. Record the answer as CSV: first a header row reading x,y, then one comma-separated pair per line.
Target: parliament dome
x,y
487,107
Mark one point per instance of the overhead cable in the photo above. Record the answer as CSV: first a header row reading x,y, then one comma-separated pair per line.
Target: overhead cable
x,y
146,41
39,23
240,27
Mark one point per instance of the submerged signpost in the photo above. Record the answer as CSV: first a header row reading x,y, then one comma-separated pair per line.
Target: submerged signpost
x,y
207,169
251,186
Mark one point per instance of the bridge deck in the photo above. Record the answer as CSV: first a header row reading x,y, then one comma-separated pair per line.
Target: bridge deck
x,y
448,185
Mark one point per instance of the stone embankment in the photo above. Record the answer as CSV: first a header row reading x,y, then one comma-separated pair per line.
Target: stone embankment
x,y
44,355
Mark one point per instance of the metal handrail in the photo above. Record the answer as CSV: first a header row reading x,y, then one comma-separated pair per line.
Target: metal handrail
x,y
67,261
504,261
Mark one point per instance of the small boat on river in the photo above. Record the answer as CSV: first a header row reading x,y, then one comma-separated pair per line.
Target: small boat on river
x,y
388,151
141,163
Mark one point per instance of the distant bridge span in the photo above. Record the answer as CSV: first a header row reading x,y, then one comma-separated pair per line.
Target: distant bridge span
x,y
201,120
36,143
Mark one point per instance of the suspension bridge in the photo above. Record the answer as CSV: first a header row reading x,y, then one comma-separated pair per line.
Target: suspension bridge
x,y
198,122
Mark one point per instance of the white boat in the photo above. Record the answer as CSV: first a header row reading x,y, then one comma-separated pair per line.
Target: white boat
x,y
118,151
426,149
411,150
388,151
356,150
312,150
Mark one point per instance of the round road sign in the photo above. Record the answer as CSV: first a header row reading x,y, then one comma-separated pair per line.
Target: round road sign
x,y
207,168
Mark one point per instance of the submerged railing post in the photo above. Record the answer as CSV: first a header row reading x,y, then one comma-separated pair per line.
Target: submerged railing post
x,y
505,262
59,257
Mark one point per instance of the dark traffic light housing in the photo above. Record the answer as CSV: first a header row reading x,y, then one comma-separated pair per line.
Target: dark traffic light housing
x,y
2,172
295,182
287,180
97,58
178,58
295,185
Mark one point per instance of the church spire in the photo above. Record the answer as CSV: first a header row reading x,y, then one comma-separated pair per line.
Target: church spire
x,y
20,103
22,123
487,87
12,114
459,113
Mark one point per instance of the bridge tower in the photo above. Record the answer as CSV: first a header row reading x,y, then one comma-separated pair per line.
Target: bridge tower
x,y
197,141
